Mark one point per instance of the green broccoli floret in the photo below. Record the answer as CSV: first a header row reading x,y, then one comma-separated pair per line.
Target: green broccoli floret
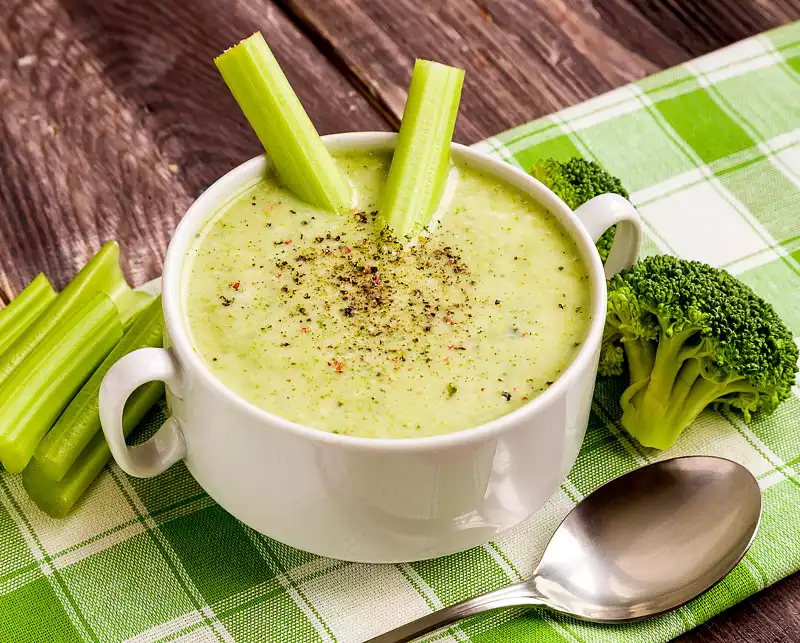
x,y
692,336
576,181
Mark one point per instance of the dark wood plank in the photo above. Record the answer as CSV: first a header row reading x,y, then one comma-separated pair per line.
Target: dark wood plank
x,y
113,118
525,58
507,83
773,616
695,27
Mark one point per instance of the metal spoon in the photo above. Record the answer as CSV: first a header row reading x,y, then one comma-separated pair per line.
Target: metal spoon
x,y
642,544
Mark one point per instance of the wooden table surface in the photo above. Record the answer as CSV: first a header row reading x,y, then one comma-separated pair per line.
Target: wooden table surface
x,y
113,117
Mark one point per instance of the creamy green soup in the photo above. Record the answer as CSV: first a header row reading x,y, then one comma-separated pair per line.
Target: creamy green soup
x,y
316,318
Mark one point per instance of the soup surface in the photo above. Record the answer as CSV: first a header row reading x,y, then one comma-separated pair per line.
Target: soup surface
x,y
316,318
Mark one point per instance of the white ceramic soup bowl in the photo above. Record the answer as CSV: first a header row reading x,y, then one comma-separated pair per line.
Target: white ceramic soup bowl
x,y
365,499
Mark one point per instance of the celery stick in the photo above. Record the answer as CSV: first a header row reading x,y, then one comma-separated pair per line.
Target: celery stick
x,y
101,274
77,426
422,155
57,498
301,159
131,305
36,393
24,310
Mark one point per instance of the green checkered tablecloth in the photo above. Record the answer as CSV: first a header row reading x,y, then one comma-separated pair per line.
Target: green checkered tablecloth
x,y
711,154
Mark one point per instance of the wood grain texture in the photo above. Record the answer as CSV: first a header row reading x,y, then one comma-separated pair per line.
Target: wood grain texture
x,y
773,616
113,118
507,81
525,58
695,27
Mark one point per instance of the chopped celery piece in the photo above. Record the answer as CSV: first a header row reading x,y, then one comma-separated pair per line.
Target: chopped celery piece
x,y
131,305
77,426
293,146
101,274
36,393
421,157
57,498
24,310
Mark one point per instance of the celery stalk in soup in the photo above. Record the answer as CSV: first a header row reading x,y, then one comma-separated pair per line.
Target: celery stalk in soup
x,y
422,156
293,145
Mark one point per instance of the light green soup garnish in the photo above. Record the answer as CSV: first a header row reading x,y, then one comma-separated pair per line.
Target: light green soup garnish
x,y
316,318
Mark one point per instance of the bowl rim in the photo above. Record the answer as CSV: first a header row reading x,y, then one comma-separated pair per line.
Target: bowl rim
x,y
248,173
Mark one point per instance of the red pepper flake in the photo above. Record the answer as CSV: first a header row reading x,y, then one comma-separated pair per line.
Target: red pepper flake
x,y
235,285
524,334
287,242
451,346
304,330
277,275
514,389
347,250
270,207
446,360
337,365
376,279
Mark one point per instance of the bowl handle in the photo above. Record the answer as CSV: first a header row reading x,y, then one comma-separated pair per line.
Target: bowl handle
x,y
599,214
167,446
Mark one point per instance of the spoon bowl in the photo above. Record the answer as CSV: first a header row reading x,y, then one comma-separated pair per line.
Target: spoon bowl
x,y
642,544
651,540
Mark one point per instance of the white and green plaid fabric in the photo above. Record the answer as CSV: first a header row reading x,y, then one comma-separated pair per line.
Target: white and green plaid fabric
x,y
710,152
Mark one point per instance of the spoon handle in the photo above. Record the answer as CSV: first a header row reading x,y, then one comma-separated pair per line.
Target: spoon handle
x,y
519,595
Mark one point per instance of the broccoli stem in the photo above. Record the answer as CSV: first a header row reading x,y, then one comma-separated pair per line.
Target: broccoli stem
x,y
666,387
641,356
702,393
668,361
655,412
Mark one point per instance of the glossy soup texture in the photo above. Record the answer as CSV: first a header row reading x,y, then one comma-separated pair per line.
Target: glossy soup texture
x,y
318,319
